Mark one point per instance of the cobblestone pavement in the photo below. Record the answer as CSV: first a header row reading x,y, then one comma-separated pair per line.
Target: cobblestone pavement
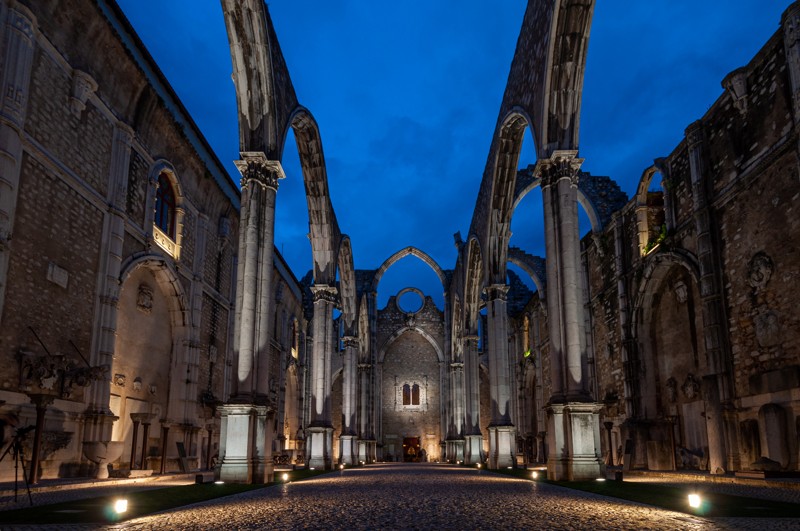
x,y
405,496
425,496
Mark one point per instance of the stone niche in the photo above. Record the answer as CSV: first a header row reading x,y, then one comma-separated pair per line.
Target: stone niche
x,y
774,381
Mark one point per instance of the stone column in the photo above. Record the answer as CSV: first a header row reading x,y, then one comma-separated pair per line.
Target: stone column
x,y
134,441
20,41
473,437
320,430
347,440
114,236
714,321
246,434
502,445
630,349
145,436
41,401
364,370
790,21
573,423
455,438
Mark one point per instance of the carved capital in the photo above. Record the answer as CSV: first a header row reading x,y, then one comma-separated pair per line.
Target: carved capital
x,y
496,292
364,367
735,84
791,25
323,292
457,366
350,342
257,169
83,86
562,164
694,134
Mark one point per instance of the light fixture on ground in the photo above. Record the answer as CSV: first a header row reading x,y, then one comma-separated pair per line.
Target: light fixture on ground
x,y
694,500
219,482
341,467
600,479
534,475
479,465
121,505
285,476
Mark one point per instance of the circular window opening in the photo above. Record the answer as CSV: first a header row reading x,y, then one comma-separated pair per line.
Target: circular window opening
x,y
410,300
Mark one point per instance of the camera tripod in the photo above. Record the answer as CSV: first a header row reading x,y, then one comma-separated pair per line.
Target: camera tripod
x,y
15,448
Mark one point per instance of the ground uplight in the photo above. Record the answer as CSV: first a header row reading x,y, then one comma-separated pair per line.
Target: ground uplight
x,y
694,500
121,505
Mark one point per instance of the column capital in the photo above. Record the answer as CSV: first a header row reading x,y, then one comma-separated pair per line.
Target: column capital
x,y
143,418
323,292
256,168
364,367
350,342
496,292
457,366
470,337
694,134
562,164
790,20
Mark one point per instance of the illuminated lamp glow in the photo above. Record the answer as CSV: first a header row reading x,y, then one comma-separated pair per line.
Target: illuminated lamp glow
x,y
285,476
121,505
694,500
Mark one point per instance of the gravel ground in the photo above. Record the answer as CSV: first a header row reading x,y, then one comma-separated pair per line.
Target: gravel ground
x,y
425,496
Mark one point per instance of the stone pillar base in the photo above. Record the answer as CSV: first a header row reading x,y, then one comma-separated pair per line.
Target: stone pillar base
x,y
473,449
573,436
347,444
502,446
245,456
363,454
319,448
455,450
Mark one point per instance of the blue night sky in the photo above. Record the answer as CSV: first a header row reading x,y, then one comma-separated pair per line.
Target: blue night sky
x,y
406,95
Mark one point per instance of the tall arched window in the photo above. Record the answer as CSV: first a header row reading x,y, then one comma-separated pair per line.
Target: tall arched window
x,y
406,395
165,206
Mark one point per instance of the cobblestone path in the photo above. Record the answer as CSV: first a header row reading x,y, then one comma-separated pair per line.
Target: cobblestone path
x,y
406,496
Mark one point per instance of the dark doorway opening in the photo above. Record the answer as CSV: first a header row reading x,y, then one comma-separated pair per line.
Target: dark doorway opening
x,y
411,449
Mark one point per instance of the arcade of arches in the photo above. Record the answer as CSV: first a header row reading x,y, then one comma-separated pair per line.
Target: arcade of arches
x,y
667,337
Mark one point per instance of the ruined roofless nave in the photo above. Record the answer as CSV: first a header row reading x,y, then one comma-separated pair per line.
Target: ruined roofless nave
x,y
148,324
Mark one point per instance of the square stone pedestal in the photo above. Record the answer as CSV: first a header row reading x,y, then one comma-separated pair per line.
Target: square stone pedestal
x,y
319,448
347,444
245,444
502,446
473,449
573,436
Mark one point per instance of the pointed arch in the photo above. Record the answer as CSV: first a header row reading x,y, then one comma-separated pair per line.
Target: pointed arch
x,y
473,286
504,174
167,280
400,331
347,286
323,228
402,253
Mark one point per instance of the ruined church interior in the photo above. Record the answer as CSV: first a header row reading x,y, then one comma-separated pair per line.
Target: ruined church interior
x,y
149,322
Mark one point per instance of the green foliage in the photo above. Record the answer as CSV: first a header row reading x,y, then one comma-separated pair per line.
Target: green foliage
x,y
662,235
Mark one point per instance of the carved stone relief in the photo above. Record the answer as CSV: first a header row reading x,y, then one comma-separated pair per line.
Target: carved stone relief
x,y
681,292
144,300
672,390
768,329
691,387
759,271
